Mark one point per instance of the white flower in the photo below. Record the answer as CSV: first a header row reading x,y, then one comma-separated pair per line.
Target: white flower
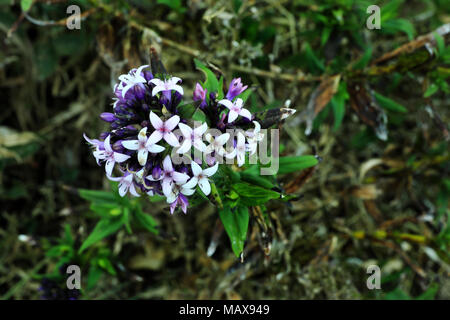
x,y
125,183
201,176
131,79
163,129
253,137
192,137
186,188
216,144
239,150
166,85
143,145
236,109
169,176
110,156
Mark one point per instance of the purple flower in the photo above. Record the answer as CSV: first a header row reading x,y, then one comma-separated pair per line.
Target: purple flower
x,y
163,129
201,176
166,86
200,94
169,176
125,183
239,150
179,200
110,156
192,137
133,78
236,109
235,88
143,145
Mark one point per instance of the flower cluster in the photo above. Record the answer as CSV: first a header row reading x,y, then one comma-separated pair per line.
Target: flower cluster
x,y
147,127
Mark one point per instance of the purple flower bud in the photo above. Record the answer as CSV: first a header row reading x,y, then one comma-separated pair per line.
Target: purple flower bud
x,y
156,172
235,88
184,170
108,117
199,93
104,135
147,75
139,91
117,146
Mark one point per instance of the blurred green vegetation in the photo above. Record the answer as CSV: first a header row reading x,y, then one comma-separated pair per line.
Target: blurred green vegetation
x,y
373,104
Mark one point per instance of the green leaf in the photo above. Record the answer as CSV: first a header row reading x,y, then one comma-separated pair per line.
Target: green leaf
x,y
338,105
296,163
313,62
26,4
96,196
68,238
389,104
211,83
235,223
362,63
440,43
395,25
251,195
173,4
104,228
106,264
106,209
256,180
430,293
93,275
432,89
397,294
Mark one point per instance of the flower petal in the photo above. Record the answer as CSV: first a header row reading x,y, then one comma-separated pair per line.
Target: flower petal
x,y
187,191
199,131
167,164
131,144
171,139
157,90
185,130
155,148
174,80
133,190
204,186
166,187
232,115
245,113
107,144
191,183
196,169
227,103
142,136
157,123
179,89
223,138
185,146
120,157
109,166
199,145
142,156
172,122
155,137
157,82
180,177
123,188
211,171
240,158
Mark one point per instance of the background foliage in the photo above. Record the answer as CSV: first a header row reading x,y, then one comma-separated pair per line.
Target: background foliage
x,y
372,104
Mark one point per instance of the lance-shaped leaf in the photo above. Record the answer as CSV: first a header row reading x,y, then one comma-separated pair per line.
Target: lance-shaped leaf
x,y
235,223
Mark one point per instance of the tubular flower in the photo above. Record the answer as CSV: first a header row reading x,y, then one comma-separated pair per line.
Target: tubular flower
x,y
147,124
